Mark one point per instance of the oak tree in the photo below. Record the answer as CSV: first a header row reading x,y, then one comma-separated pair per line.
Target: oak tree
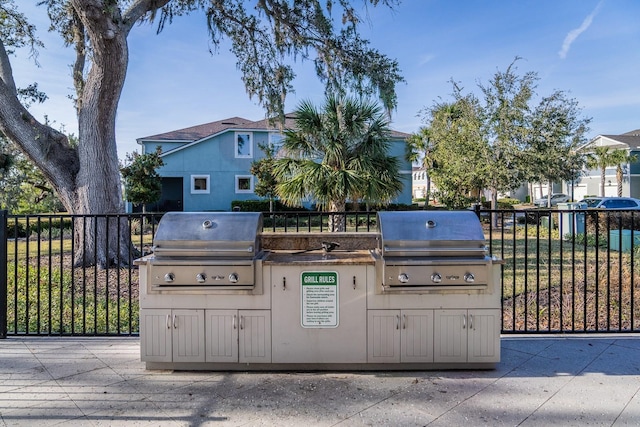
x,y
266,36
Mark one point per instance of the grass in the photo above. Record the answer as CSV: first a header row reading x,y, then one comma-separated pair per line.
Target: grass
x,y
32,248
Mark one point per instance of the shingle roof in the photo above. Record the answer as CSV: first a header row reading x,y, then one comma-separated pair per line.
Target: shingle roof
x,y
632,138
195,133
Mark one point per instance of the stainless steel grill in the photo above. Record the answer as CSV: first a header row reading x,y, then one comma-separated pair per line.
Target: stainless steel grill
x,y
201,249
431,249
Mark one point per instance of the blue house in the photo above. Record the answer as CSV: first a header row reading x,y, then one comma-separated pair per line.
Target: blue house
x,y
207,166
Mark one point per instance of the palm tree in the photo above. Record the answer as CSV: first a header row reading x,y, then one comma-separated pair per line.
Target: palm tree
x,y
603,157
422,147
337,154
624,157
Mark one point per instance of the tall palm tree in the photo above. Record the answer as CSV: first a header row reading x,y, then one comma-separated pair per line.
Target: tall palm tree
x,y
603,157
336,154
421,149
624,157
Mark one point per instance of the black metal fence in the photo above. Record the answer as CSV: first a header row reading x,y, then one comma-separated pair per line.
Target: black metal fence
x,y
564,270
568,270
71,274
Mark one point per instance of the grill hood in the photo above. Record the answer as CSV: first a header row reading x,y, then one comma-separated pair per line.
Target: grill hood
x,y
208,234
430,234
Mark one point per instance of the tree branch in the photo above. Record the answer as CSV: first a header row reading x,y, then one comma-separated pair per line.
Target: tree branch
x,y
79,41
43,145
138,9
6,73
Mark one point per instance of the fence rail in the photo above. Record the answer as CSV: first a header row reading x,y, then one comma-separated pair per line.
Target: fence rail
x,y
565,271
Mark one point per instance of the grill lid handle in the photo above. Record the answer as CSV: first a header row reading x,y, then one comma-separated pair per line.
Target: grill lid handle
x,y
178,251
208,224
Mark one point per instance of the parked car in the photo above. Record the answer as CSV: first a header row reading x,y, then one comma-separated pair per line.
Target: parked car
x,y
622,203
555,199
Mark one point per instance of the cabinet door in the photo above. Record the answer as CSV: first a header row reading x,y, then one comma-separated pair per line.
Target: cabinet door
x,y
484,335
188,335
254,336
383,336
222,335
450,336
155,335
416,336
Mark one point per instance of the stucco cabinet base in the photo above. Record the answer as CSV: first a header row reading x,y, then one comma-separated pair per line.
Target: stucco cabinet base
x,y
317,311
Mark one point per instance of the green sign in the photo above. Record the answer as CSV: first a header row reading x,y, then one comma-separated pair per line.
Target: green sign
x,y
319,299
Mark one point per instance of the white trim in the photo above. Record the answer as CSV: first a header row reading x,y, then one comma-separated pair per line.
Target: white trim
x,y
207,179
236,149
189,143
237,181
161,141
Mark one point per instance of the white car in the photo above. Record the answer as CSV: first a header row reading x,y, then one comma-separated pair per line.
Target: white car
x,y
621,203
555,199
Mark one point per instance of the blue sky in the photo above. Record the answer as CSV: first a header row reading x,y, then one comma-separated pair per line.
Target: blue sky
x,y
588,48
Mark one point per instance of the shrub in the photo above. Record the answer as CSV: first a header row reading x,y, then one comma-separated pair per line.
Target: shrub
x,y
34,228
262,206
504,203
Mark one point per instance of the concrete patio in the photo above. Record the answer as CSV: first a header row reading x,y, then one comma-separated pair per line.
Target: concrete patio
x,y
541,381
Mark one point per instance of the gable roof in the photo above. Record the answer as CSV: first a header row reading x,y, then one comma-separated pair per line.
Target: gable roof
x,y
631,138
200,132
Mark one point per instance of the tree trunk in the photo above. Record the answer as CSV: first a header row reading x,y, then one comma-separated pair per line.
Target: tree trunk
x,y
619,179
337,223
97,183
87,177
602,178
494,206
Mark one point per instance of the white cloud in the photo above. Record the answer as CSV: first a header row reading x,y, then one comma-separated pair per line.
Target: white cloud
x,y
425,59
573,34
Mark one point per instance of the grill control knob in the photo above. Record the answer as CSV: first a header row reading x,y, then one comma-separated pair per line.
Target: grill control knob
x,y
403,278
201,277
469,278
169,277
233,277
436,278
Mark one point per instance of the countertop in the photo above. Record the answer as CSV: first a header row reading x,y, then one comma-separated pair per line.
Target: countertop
x,y
319,257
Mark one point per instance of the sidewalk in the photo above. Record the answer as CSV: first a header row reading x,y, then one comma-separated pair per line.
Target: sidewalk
x,y
541,381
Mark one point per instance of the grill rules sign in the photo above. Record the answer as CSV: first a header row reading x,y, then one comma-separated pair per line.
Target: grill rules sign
x,y
319,299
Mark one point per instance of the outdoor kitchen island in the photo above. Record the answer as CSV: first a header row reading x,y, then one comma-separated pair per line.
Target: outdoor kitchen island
x,y
320,309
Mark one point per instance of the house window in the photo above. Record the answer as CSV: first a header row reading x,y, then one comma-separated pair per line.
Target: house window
x,y
244,184
200,184
244,146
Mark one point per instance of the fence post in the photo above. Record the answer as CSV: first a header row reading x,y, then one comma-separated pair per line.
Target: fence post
x,y
3,274
476,208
